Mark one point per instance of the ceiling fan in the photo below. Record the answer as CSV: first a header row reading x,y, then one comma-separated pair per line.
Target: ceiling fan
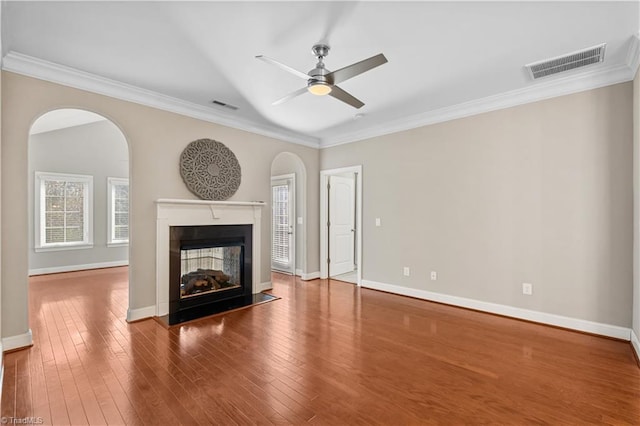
x,y
321,81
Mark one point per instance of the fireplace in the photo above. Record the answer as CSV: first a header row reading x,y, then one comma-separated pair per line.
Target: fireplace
x,y
210,270
202,215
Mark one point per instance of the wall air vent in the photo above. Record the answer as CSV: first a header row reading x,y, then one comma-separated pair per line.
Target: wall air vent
x,y
224,105
570,61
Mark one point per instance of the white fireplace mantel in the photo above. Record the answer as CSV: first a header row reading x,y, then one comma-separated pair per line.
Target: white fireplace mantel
x,y
179,212
209,202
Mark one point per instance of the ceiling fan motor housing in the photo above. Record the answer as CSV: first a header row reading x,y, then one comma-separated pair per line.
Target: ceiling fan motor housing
x,y
318,74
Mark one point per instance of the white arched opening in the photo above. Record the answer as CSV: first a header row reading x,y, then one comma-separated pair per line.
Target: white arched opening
x,y
78,203
286,168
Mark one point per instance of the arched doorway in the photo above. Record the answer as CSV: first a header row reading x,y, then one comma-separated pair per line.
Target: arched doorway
x,y
288,214
79,193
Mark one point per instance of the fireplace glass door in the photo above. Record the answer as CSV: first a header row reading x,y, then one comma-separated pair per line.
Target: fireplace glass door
x,y
210,270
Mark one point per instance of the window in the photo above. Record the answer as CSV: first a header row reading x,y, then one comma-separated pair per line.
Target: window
x,y
63,216
280,227
118,211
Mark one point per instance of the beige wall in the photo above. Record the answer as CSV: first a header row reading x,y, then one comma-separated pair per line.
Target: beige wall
x,y
636,205
156,139
540,193
1,349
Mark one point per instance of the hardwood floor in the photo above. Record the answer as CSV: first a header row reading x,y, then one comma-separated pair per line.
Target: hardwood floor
x,y
326,353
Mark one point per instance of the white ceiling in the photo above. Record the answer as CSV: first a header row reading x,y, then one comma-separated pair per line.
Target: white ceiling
x,y
445,58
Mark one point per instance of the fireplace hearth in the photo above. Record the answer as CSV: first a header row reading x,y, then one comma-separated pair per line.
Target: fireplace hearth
x,y
210,270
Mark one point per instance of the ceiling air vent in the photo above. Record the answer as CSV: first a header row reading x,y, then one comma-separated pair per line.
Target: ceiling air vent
x,y
224,105
570,61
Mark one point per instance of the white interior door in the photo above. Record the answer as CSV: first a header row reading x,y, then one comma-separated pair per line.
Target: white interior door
x,y
282,224
341,224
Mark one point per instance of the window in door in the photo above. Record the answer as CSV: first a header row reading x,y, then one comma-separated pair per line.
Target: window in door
x,y
282,224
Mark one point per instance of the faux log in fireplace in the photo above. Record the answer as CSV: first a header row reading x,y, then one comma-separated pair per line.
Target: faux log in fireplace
x,y
209,270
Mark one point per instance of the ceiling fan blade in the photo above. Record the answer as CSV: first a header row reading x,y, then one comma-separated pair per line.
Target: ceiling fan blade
x,y
345,97
291,96
282,66
338,76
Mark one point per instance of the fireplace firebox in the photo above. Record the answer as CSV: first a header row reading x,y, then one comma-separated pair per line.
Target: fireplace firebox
x,y
210,270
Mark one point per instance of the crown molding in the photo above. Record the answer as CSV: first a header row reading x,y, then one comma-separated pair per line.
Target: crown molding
x,y
44,70
573,83
633,54
538,91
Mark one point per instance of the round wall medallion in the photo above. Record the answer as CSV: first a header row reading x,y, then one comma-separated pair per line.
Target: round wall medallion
x,y
210,170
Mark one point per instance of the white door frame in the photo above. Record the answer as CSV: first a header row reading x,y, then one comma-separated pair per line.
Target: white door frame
x,y
324,201
293,215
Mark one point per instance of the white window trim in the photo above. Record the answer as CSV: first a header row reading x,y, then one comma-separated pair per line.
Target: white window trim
x,y
39,213
111,242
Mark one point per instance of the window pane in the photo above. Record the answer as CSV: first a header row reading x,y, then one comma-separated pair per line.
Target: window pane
x,y
74,204
122,191
63,213
74,234
122,233
54,219
54,235
54,204
121,219
119,214
122,205
54,188
280,225
74,219
74,189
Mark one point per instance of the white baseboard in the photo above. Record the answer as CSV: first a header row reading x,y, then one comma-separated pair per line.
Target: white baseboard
x,y
307,277
263,286
310,276
16,342
71,268
141,313
635,343
608,330
163,309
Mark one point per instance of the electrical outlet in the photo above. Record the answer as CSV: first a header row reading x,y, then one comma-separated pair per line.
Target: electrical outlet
x,y
407,272
299,221
434,275
527,288
378,221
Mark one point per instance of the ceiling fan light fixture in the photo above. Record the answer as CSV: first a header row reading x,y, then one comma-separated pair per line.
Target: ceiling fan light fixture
x,y
319,88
